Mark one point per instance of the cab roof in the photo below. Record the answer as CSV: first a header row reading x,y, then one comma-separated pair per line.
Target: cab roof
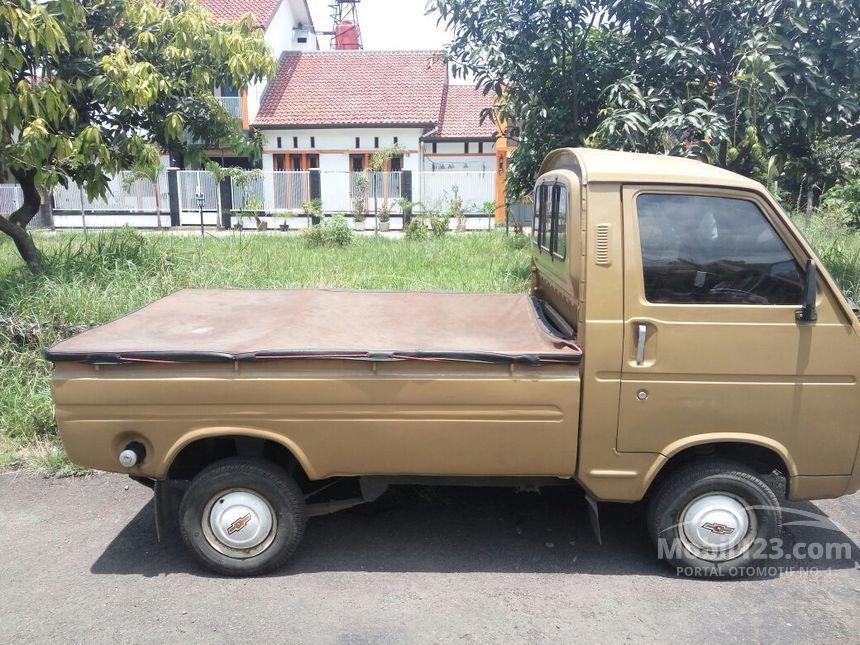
x,y
639,168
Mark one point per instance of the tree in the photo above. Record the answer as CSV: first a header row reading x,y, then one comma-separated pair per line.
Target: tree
x,y
89,89
546,61
734,82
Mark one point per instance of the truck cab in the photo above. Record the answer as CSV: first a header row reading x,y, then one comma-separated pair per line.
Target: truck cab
x,y
686,286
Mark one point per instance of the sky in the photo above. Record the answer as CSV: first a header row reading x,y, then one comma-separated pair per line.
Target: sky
x,y
386,24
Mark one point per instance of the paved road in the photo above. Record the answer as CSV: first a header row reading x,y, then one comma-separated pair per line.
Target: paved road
x,y
79,563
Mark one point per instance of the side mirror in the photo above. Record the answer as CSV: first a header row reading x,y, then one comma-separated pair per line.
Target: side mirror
x,y
807,313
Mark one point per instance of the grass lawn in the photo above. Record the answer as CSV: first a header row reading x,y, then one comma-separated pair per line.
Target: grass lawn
x,y
94,278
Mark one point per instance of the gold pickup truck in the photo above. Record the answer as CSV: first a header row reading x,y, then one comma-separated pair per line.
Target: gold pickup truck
x,y
680,343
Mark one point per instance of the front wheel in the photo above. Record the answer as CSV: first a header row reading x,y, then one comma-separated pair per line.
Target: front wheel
x,y
714,519
242,517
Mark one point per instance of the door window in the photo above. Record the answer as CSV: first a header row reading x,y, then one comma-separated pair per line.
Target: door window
x,y
713,250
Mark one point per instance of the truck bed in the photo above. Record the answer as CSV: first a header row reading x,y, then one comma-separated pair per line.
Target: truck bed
x,y
195,325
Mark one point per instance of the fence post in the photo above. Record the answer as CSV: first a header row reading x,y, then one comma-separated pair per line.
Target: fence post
x,y
225,188
406,191
316,184
173,195
46,211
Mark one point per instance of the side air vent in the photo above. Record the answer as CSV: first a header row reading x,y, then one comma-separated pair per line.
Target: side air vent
x,y
602,245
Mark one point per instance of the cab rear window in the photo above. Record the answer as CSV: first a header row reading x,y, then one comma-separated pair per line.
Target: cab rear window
x,y
549,230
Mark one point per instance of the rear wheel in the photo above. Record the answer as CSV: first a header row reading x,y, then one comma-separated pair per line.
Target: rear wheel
x,y
242,517
714,519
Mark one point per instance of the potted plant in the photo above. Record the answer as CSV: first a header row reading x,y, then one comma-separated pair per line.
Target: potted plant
x,y
313,210
383,218
253,210
490,209
455,209
360,187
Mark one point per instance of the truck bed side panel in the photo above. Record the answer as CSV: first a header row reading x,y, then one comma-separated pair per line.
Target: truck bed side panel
x,y
338,417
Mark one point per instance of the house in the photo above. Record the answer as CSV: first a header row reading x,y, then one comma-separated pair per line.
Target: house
x,y
332,110
287,26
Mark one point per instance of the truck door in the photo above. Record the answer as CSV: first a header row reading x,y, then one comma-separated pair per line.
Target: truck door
x,y
712,350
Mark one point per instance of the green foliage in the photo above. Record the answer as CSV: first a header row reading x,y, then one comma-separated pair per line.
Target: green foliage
x,y
360,191
454,211
333,231
106,252
844,200
416,230
518,240
546,62
838,247
91,88
736,82
378,158
438,223
313,208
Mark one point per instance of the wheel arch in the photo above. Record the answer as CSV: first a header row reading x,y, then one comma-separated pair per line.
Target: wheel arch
x,y
181,457
759,452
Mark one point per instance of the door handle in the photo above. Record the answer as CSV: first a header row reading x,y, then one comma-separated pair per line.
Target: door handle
x,y
641,332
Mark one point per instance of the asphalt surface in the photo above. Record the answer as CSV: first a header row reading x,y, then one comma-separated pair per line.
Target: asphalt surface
x,y
79,563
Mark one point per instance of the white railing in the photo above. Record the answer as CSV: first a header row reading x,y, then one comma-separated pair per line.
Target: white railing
x,y
11,198
136,197
192,182
274,191
233,105
278,192
437,189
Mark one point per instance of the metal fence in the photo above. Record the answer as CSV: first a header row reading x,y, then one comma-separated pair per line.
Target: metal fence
x,y
281,193
275,191
11,198
190,184
123,196
437,189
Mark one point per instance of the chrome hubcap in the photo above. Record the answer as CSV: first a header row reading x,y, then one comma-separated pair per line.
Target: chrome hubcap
x,y
239,523
717,526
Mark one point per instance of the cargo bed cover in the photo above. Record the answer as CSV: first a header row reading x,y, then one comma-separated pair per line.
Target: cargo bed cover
x,y
243,324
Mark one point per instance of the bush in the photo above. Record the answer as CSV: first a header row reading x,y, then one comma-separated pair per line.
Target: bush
x,y
844,200
438,223
333,231
416,229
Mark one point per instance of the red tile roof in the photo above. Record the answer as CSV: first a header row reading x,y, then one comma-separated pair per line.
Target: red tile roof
x,y
461,114
343,88
233,10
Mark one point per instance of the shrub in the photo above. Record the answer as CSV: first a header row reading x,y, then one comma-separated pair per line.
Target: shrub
x,y
313,208
416,229
333,231
844,200
438,223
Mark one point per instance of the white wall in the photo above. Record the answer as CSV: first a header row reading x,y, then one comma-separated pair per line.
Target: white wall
x,y
457,147
342,142
460,163
281,37
451,155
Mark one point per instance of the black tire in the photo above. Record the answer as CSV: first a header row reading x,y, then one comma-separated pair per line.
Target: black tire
x,y
261,478
691,482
